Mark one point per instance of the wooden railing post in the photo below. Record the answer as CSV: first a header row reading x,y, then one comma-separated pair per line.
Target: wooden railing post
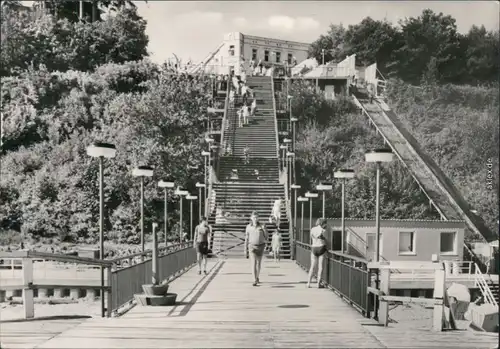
x,y
439,293
28,302
385,287
109,293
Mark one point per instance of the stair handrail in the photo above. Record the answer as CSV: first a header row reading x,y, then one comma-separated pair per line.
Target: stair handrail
x,y
358,103
212,175
275,120
480,282
204,62
360,239
224,121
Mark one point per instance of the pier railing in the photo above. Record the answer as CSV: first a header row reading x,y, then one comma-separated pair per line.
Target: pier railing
x,y
347,275
173,261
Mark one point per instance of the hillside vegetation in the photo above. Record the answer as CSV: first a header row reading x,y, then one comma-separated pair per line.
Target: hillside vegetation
x,y
51,113
66,84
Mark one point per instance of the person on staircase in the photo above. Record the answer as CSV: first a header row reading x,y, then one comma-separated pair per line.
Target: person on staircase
x,y
201,235
228,151
246,155
255,243
240,117
276,213
318,249
276,245
234,175
244,93
231,99
253,107
246,113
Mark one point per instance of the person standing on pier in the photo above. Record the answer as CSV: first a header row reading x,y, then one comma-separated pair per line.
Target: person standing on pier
x,y
318,249
255,243
201,235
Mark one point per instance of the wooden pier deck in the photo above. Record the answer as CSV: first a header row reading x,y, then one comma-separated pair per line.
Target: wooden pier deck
x,y
224,310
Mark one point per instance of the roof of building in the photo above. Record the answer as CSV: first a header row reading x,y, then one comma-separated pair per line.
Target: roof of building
x,y
399,220
248,36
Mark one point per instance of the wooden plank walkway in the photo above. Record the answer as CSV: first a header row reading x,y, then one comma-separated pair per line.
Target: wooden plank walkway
x,y
223,310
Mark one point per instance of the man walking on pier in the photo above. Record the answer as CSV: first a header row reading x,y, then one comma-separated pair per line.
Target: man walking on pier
x,y
255,242
201,235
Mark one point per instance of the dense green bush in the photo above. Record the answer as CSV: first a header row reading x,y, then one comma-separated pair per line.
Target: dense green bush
x,y
333,135
62,45
458,127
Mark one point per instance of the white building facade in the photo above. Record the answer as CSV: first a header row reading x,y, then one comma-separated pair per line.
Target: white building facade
x,y
238,49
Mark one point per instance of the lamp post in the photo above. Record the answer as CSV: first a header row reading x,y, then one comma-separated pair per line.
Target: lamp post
x,y
101,151
206,156
142,171
343,175
289,157
294,187
166,186
283,149
289,106
323,187
311,195
378,156
191,198
294,121
200,186
179,192
302,200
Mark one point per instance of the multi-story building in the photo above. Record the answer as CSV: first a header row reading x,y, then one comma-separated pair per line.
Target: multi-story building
x,y
238,49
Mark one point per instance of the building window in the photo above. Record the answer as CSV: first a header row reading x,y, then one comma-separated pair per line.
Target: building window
x,y
289,60
254,54
406,242
278,57
448,243
266,56
231,50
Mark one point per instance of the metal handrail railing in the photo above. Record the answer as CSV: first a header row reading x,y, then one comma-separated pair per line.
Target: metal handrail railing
x,y
481,283
349,276
275,120
358,103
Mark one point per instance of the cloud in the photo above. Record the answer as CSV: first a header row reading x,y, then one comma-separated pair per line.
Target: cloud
x,y
288,24
198,17
240,21
307,23
284,23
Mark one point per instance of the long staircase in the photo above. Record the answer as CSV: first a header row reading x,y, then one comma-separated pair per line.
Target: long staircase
x,y
257,184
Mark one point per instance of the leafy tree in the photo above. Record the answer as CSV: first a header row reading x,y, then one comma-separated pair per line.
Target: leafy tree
x,y
92,10
482,55
372,41
430,32
332,43
61,45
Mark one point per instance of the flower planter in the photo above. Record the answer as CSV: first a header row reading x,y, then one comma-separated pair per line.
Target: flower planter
x,y
155,290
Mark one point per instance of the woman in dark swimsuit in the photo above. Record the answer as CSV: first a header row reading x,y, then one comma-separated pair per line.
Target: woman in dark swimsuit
x,y
318,249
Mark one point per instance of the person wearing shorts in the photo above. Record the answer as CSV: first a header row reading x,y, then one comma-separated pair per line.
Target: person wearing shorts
x,y
318,249
255,244
201,235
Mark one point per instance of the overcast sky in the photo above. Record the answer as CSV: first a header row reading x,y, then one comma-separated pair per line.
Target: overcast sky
x,y
191,29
